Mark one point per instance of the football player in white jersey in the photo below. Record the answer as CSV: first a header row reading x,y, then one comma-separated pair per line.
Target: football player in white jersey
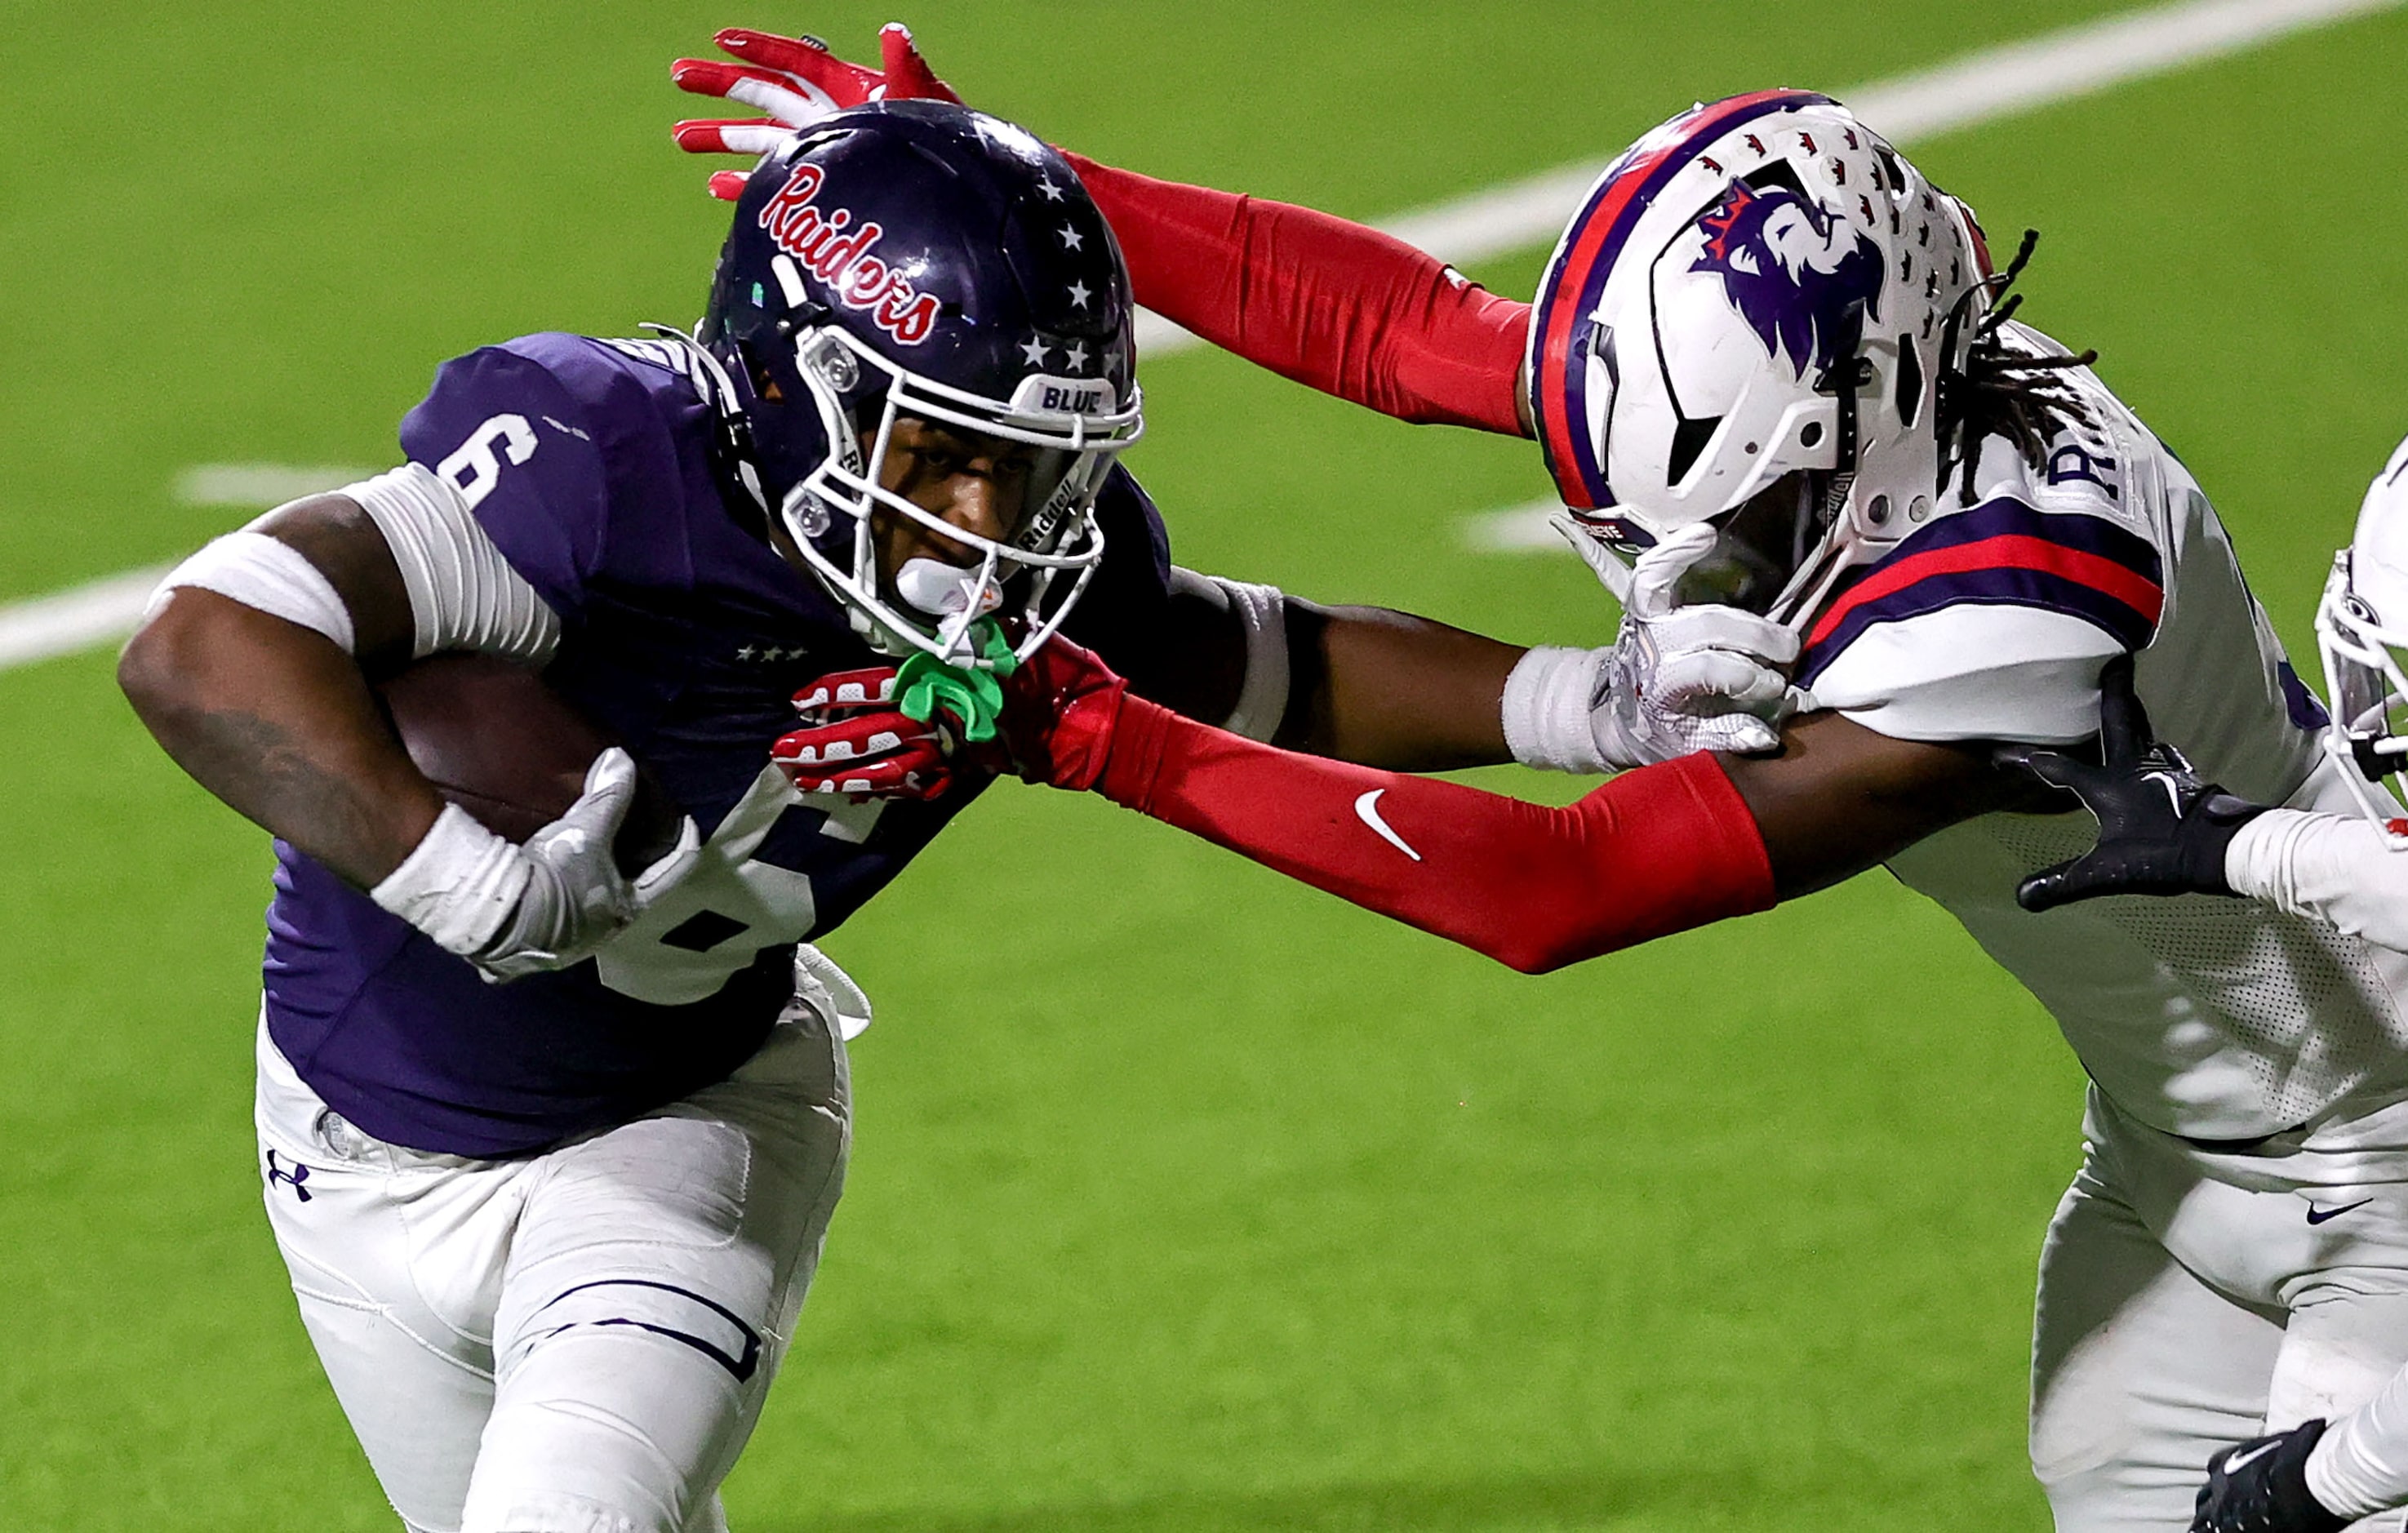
x,y
2163,830
1765,324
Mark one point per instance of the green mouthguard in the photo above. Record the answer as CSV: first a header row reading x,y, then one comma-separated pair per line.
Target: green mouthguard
x,y
972,695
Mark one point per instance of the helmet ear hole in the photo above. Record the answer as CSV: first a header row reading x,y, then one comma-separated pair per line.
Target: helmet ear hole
x,y
1805,437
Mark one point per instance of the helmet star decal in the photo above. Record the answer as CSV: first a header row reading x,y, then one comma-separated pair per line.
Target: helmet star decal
x,y
1078,357
1792,268
1071,238
1079,294
1034,349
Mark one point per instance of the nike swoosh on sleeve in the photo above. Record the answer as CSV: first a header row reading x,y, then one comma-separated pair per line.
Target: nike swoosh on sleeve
x,y
1366,809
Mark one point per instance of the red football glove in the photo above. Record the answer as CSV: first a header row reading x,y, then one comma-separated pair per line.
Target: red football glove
x,y
854,742
797,82
1060,709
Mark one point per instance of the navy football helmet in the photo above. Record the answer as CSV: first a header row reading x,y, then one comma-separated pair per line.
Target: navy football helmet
x,y
917,258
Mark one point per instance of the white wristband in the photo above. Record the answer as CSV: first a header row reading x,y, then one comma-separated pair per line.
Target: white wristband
x,y
459,884
1546,711
1262,701
266,575
2257,859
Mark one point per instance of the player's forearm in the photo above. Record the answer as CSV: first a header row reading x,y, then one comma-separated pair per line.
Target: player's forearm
x,y
278,722
2360,1464
1837,798
1333,305
2339,869
1654,851
1387,689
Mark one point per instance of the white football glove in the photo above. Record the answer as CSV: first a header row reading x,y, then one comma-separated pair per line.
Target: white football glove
x,y
514,911
1676,682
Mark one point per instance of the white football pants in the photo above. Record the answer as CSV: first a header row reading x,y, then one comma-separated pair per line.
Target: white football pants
x,y
577,1342
2190,1299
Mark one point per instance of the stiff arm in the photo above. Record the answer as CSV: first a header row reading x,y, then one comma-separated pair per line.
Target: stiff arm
x,y
1654,851
1364,684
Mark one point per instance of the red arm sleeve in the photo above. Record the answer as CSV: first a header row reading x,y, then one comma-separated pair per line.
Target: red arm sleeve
x,y
1332,304
1654,851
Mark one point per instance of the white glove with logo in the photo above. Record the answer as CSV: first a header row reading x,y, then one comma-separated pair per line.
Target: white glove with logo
x,y
514,911
1676,682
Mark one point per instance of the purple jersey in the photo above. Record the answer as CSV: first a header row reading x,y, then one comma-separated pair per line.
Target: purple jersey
x,y
683,634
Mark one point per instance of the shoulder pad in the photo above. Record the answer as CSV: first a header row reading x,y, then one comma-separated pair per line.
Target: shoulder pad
x,y
1972,673
2002,554
657,353
551,439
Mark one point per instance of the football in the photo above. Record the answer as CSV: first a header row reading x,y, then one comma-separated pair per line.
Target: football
x,y
501,744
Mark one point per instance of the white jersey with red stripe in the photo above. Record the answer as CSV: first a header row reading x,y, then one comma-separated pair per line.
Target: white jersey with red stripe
x,y
2207,1017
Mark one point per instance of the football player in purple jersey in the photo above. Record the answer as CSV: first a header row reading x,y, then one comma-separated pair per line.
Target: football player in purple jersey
x,y
549,1145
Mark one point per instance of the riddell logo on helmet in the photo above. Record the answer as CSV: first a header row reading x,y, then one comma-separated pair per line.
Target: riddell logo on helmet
x,y
825,243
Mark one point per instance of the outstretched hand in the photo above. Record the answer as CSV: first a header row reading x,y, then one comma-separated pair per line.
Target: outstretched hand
x,y
2161,830
797,82
1060,709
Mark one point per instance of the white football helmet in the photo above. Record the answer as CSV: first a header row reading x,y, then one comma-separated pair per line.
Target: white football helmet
x,y
1754,309
2361,626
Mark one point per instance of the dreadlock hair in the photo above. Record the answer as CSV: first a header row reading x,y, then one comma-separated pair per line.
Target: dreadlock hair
x,y
2002,391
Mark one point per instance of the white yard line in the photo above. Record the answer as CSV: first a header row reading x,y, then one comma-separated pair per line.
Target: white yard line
x,y
104,610
260,485
1526,528
75,618
1992,83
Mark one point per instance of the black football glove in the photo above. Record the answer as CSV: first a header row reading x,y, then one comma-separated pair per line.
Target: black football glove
x,y
2261,1486
2161,830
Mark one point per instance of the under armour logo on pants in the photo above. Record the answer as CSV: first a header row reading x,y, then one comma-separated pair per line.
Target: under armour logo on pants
x,y
292,1178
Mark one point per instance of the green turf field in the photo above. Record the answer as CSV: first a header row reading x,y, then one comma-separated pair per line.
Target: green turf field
x,y
1184,1198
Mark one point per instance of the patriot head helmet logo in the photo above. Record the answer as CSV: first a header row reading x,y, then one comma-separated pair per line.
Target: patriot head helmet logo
x,y
1792,268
